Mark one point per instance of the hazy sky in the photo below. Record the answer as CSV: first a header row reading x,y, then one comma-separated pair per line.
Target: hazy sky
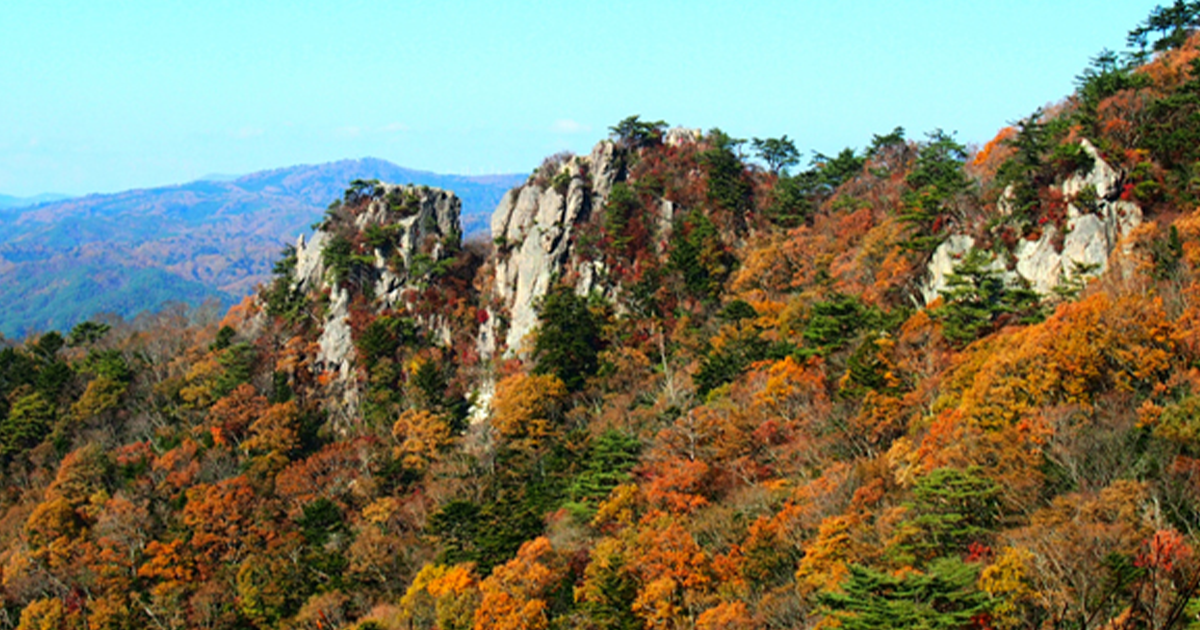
x,y
104,95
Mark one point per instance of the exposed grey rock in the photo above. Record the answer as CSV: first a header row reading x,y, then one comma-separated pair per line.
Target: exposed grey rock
x,y
1102,177
1090,240
945,258
425,229
676,136
1038,263
335,342
309,269
535,228
603,168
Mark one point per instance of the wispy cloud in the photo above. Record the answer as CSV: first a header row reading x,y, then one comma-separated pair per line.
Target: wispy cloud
x,y
394,127
566,125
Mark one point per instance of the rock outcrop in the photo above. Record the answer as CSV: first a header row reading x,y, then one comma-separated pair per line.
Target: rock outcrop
x,y
533,228
1097,219
419,235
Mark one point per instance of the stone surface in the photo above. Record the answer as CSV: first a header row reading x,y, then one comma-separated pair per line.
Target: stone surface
x,y
1092,236
681,135
534,227
942,264
435,221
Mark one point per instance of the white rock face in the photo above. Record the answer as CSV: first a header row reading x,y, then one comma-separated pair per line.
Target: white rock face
x,y
1092,235
681,135
533,228
434,218
1038,263
335,342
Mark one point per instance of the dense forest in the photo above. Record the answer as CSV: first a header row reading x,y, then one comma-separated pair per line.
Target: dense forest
x,y
744,404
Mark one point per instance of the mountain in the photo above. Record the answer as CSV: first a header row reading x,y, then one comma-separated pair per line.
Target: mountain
x,y
8,201
916,386
64,261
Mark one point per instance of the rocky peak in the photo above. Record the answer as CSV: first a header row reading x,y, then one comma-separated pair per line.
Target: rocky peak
x,y
533,228
394,235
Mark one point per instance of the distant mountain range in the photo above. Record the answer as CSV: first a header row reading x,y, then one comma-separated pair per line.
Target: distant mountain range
x,y
8,201
63,261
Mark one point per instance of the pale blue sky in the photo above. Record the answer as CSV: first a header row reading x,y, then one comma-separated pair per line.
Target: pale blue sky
x,y
105,95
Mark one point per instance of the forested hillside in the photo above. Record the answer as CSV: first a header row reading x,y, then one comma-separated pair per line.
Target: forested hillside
x,y
692,382
65,261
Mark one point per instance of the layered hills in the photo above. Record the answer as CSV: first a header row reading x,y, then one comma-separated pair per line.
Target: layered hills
x,y
64,261
913,386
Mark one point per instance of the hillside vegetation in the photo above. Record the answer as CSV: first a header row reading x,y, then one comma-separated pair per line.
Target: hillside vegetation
x,y
741,406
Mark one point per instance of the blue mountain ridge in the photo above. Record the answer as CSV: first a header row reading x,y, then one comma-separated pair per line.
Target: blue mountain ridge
x,y
62,262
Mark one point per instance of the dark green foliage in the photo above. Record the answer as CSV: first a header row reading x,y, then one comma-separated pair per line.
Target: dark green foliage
x,y
880,143
282,299
402,202
942,598
792,202
978,300
950,509
865,371
698,254
832,172
1071,158
718,368
632,132
737,310
52,378
430,382
286,265
224,338
722,366
1167,253
281,389
1026,171
28,422
619,212
608,462
1106,75
382,236
86,333
568,338
16,369
487,534
778,153
455,526
338,256
48,345
110,364
1172,25
834,322
383,337
238,362
728,187
359,190
795,197
936,187
321,519
1172,124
